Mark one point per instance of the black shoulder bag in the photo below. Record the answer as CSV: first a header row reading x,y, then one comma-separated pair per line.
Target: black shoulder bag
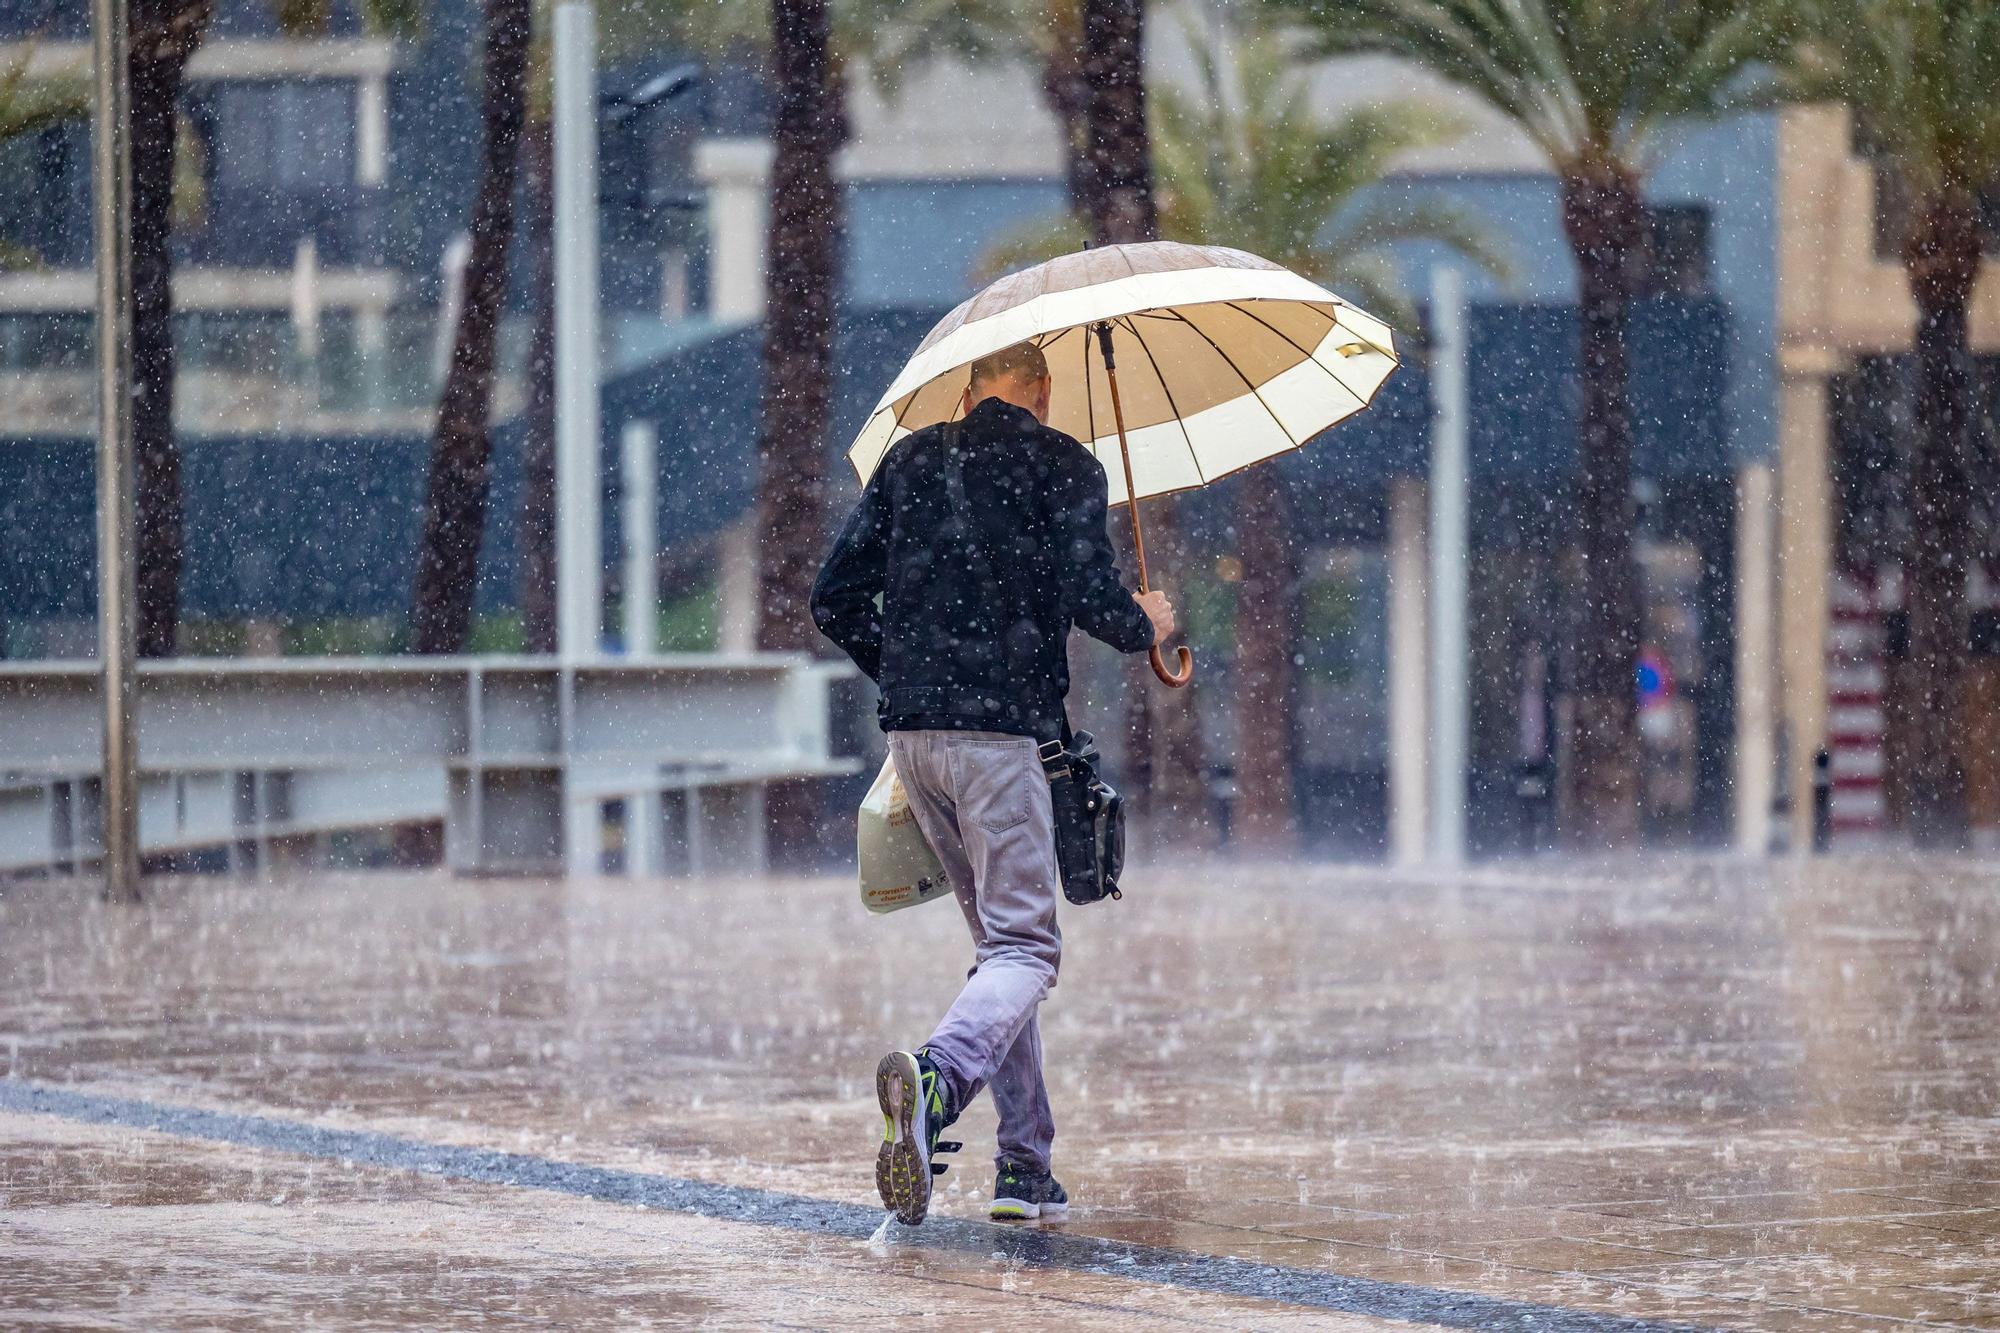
x,y
1089,817
1089,813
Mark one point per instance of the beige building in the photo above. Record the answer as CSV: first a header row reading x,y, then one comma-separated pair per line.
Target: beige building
x,y
1842,297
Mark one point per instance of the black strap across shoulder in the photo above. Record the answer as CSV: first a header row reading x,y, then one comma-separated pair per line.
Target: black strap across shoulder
x,y
961,508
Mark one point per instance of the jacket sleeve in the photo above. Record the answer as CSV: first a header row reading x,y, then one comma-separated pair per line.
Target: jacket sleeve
x,y
854,575
1103,606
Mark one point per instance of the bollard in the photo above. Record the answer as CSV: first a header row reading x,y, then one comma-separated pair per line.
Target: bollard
x,y
1535,803
1822,807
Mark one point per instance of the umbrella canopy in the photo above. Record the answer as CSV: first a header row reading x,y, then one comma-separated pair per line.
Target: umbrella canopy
x,y
1223,359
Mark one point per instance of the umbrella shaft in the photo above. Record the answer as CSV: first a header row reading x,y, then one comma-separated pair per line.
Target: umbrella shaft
x,y
1174,679
1124,450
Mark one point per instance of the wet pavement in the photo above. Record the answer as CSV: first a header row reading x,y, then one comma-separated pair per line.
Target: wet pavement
x,y
1717,1095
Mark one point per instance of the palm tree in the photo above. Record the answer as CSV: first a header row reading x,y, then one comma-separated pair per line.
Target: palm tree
x,y
164,35
1047,34
809,127
810,48
1166,751
1257,170
1112,192
807,46
460,480
1593,83
1120,161
1919,77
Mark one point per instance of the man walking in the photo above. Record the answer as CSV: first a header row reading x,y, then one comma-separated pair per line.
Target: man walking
x,y
985,541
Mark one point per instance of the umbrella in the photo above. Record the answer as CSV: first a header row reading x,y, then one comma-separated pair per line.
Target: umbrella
x,y
1175,365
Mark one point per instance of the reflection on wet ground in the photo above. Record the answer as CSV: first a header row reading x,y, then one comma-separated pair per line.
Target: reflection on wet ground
x,y
1754,1098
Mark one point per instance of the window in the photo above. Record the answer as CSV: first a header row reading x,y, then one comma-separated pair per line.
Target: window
x,y
1677,251
288,137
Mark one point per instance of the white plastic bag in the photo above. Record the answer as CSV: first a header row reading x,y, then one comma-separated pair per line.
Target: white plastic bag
x,y
898,868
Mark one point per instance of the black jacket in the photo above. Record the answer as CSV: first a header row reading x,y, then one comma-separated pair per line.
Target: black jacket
x,y
973,625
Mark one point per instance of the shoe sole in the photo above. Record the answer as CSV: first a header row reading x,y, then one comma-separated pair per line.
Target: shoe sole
x,y
1020,1210
902,1171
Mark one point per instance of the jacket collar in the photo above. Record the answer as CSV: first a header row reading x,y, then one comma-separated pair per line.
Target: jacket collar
x,y
1001,413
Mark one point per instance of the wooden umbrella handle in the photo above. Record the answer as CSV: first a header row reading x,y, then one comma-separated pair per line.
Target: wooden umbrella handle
x,y
1172,679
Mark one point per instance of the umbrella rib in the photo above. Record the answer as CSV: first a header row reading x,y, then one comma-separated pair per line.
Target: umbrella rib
x,y
1294,343
1227,361
1090,415
1172,406
1324,369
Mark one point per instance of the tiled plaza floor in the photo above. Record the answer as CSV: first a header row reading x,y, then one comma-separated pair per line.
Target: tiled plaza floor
x,y
1753,1098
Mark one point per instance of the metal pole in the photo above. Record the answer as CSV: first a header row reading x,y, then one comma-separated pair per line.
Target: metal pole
x,y
642,546
1409,678
579,554
1450,557
1756,619
579,549
117,630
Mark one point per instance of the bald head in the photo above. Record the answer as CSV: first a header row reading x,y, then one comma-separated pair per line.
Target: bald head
x,y
1017,375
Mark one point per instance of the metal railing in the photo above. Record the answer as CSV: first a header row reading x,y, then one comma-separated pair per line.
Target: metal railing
x,y
517,757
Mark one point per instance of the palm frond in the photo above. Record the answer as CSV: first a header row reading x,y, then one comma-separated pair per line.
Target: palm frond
x,y
31,102
1378,227
1918,76
16,258
713,29
1504,51
1030,243
893,40
1370,281
1725,49
885,39
1587,80
314,18
394,18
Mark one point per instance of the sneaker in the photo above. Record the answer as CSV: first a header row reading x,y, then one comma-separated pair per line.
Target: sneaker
x,y
1020,1194
913,1115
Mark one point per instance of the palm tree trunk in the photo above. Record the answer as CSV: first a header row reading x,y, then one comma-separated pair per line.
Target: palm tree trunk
x,y
1266,684
535,529
1170,771
164,35
1942,260
1067,93
461,472
1120,175
1604,218
803,274
809,129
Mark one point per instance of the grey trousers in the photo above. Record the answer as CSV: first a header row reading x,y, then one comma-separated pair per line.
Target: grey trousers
x,y
983,804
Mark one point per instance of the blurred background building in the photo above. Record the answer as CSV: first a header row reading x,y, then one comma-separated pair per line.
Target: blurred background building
x,y
320,225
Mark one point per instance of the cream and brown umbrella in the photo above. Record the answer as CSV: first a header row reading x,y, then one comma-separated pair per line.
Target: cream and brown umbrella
x,y
1174,364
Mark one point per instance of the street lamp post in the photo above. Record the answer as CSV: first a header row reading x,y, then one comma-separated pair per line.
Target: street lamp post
x,y
117,636
579,553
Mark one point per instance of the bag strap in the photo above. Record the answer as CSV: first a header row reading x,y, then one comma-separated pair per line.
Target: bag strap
x,y
961,509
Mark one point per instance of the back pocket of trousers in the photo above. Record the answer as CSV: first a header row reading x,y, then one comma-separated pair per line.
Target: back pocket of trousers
x,y
994,781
